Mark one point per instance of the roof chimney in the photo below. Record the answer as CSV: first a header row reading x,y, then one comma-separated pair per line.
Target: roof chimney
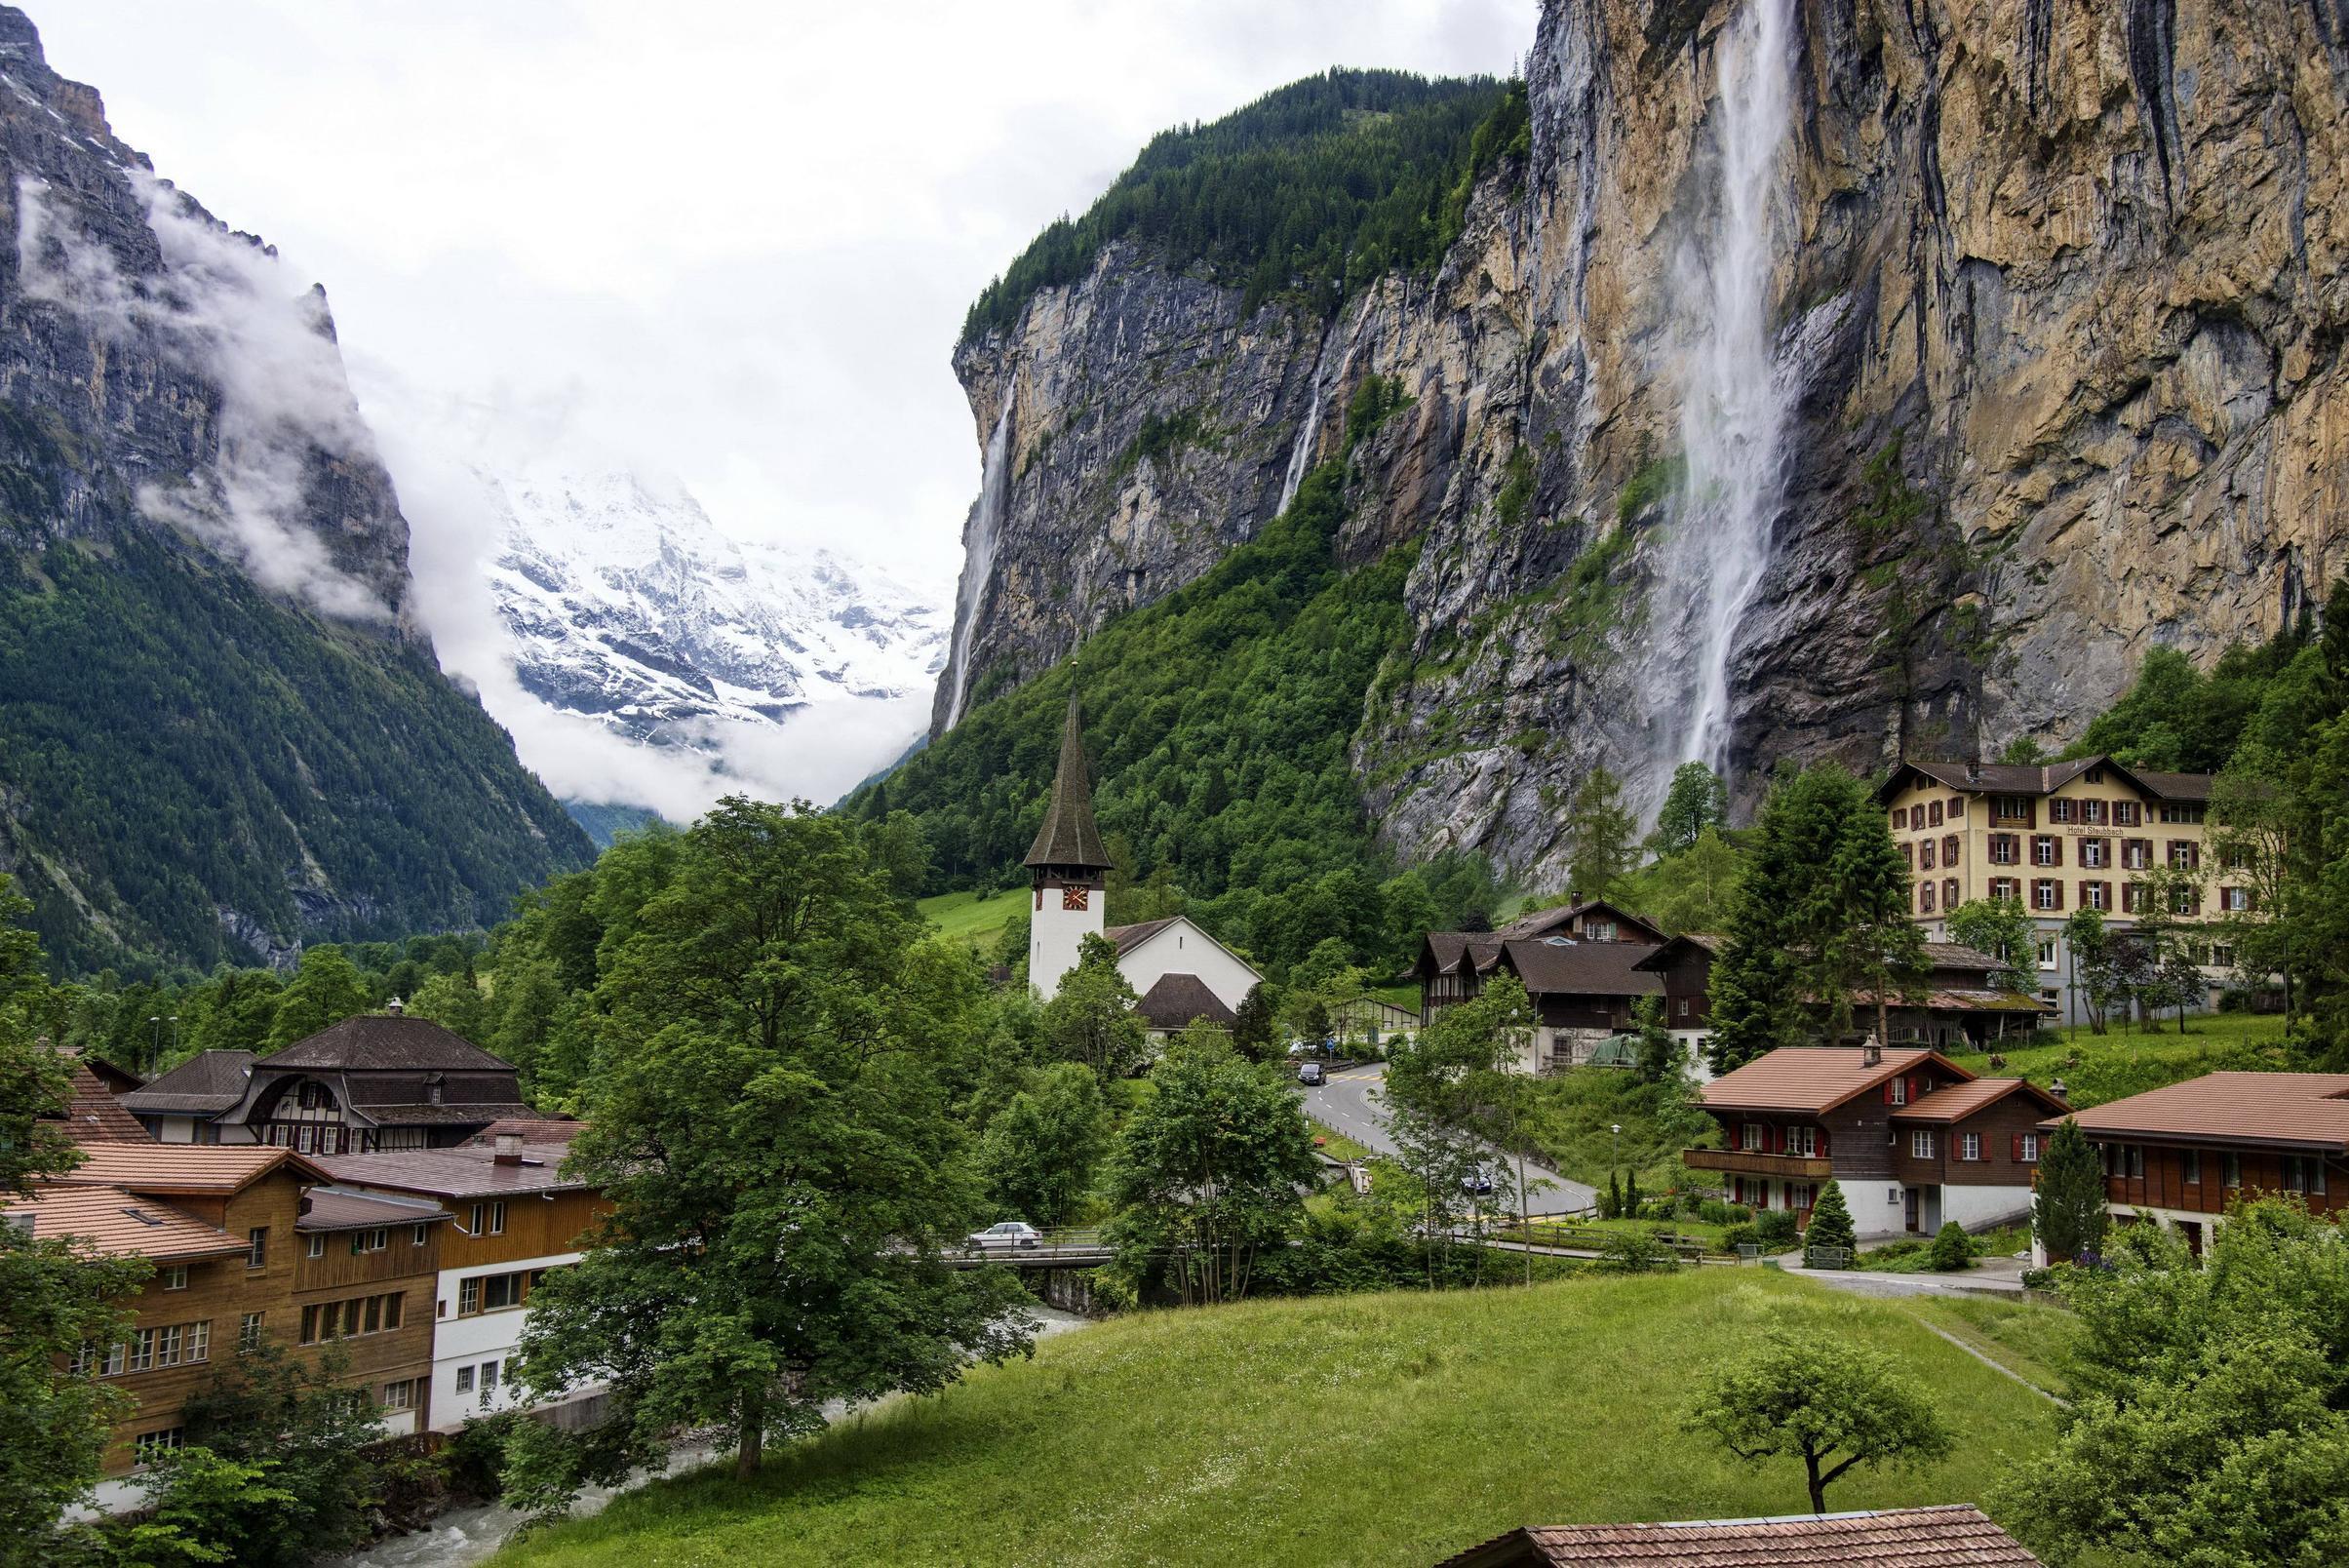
x,y
1974,770
509,1149
2061,1091
395,1006
1871,1054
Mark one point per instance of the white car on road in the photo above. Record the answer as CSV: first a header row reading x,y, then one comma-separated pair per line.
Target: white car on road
x,y
1009,1234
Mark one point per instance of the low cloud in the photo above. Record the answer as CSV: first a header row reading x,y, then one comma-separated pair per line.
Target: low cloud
x,y
222,311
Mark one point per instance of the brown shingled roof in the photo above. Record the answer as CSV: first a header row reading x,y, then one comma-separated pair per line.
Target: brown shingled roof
x,y
205,1082
384,1041
210,1169
2044,778
2285,1110
1178,1000
1959,1100
1126,938
1582,968
120,1223
1814,1078
92,1114
466,1171
1952,1535
1068,834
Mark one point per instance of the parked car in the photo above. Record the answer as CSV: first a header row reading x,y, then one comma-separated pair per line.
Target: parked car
x,y
1478,1181
1008,1233
1312,1074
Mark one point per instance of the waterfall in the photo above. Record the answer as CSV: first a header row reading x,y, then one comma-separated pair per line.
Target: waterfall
x,y
1302,455
1736,397
978,552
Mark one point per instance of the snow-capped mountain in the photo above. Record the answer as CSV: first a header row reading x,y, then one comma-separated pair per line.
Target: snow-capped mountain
x,y
627,605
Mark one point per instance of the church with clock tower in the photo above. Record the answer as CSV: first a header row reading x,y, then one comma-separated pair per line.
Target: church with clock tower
x,y
1180,974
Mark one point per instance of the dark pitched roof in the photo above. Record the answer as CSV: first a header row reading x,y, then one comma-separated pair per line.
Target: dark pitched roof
x,y
531,1128
1542,921
203,1083
1670,953
2043,778
1126,938
465,1172
1553,968
1068,835
1178,1000
1814,1078
1951,1536
384,1041
1958,956
439,1116
92,1114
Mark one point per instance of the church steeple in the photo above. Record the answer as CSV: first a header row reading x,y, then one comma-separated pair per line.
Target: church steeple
x,y
1069,837
1067,864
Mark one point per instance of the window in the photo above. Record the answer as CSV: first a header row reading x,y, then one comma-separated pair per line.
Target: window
x,y
2047,849
1957,806
2190,1164
2093,813
256,1248
489,1380
2131,1161
2011,808
419,1235
1933,813
2230,1169
248,1332
1749,1136
107,1361
374,1240
489,1218
468,1297
2184,854
2096,895
1900,818
2006,888
1949,850
347,1319
2006,848
1925,897
464,1380
2047,893
1897,1092
1969,1146
1920,1144
199,1341
1908,855
2026,1148
2094,775
1803,1141
2181,811
489,1293
2061,811
2096,851
315,1247
2136,853
400,1396
1592,930
150,1446
2132,896
2235,900
175,1277
2047,953
2126,815
2185,900
2222,956
305,1139
1682,1007
2303,1173
1925,860
1949,892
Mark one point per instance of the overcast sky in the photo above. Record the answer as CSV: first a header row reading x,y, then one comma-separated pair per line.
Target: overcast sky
x,y
730,243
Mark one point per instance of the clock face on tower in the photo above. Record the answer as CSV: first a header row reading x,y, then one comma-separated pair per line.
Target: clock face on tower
x,y
1074,897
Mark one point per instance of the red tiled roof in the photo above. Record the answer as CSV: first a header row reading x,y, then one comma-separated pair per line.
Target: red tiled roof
x,y
1959,1100
532,1129
1815,1077
120,1223
2303,1110
94,1116
468,1170
1953,1536
211,1170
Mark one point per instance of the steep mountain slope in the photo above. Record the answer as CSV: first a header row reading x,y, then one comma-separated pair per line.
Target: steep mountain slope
x,y
220,734
628,606
1819,379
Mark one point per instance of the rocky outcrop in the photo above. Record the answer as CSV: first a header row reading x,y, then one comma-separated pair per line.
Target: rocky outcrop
x,y
2069,274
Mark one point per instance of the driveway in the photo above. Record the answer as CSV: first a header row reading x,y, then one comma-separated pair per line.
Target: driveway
x,y
1353,1103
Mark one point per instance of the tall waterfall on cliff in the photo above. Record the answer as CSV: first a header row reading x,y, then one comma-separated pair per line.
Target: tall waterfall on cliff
x,y
1735,400
978,552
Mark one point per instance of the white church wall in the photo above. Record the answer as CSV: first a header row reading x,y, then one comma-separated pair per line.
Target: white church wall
x,y
1182,948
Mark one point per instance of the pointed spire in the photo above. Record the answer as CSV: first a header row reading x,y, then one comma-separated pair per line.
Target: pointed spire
x,y
1069,836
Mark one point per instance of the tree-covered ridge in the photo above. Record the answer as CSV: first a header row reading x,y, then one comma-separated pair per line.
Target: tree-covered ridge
x,y
1217,724
175,745
1319,186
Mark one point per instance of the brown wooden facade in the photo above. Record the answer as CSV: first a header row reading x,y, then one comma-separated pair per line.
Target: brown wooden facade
x,y
533,1225
344,1297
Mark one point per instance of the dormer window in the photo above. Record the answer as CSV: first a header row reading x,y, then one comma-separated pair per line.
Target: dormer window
x,y
432,1089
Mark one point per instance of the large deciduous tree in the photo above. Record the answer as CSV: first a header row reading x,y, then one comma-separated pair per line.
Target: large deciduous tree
x,y
1695,800
1833,1406
1043,1149
1208,1171
1091,1017
766,1119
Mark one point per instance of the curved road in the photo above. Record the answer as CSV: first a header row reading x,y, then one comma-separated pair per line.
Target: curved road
x,y
1353,1103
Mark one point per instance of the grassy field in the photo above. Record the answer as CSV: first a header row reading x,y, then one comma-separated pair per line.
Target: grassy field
x,y
1361,1429
974,917
1336,1143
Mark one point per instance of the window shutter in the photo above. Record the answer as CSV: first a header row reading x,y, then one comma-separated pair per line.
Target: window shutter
x,y
1888,1092
1823,1143
2017,1151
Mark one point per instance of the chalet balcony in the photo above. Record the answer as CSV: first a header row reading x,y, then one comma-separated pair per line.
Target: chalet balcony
x,y
1743,1162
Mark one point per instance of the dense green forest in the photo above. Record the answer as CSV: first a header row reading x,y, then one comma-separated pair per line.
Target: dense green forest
x,y
1317,187
1217,723
175,745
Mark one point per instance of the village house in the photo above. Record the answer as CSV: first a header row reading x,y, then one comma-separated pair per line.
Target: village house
x,y
1914,1140
1579,962
220,1227
1180,973
363,1283
2179,1155
2056,838
1966,1001
374,1081
1948,1536
514,1216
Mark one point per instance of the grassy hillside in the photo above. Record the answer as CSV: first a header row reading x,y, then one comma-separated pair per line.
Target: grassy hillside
x,y
1362,1429
973,917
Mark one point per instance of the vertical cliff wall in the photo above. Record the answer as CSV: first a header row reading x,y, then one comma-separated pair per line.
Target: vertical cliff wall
x,y
2058,311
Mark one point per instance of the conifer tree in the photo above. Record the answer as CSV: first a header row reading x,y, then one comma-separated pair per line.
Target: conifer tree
x,y
1600,829
1252,1026
2067,1216
1831,1221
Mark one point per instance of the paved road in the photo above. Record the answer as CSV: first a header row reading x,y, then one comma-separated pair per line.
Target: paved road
x,y
1353,1103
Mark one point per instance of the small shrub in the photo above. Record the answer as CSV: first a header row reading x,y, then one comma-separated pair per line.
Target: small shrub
x,y
1635,1252
474,1462
1712,1211
1775,1227
1952,1248
1740,1236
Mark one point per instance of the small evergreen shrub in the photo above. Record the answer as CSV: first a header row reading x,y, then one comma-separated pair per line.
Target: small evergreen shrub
x,y
1952,1248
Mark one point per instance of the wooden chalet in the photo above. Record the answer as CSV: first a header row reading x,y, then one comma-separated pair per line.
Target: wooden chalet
x,y
1914,1139
2179,1155
1577,963
1968,999
1949,1536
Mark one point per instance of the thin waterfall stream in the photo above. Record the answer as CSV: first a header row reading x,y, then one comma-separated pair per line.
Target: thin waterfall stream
x,y
978,561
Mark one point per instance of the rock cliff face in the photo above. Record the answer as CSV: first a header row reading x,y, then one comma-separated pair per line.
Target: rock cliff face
x,y
2059,306
222,734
